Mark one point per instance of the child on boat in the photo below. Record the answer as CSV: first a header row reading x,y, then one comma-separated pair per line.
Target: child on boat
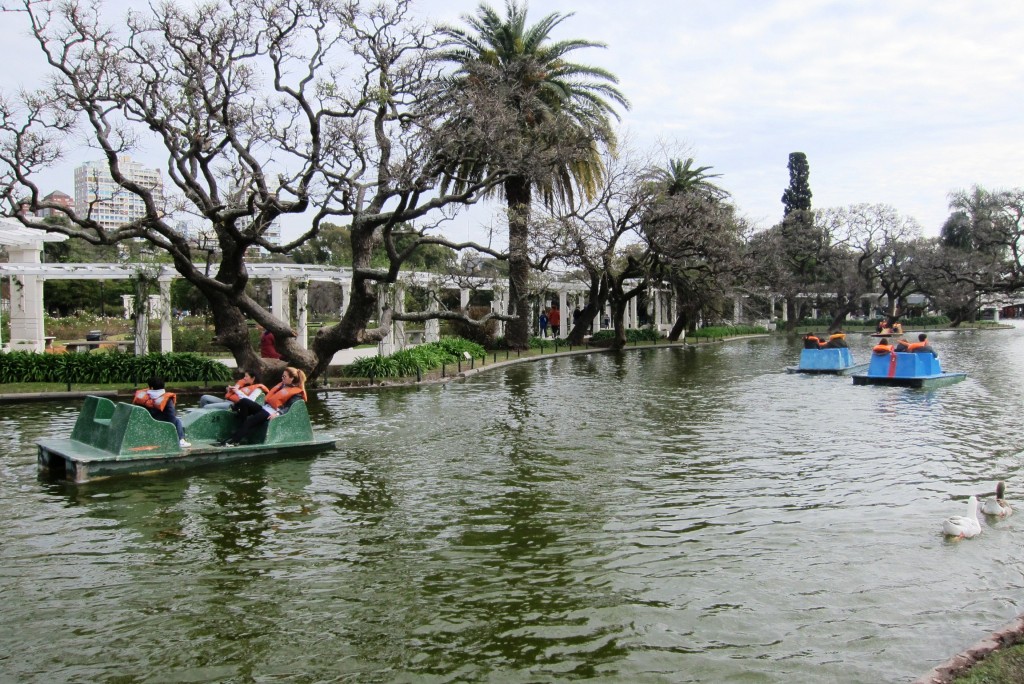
x,y
160,404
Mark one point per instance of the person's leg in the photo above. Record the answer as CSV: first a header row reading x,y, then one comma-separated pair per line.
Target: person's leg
x,y
248,426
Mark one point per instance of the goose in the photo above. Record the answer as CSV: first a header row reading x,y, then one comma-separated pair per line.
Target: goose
x,y
997,506
964,526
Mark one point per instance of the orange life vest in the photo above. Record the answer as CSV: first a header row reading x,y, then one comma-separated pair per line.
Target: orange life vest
x,y
282,393
916,345
243,389
882,349
142,398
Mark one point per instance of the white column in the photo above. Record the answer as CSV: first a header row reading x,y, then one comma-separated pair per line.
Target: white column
x,y
432,328
771,308
128,302
632,313
302,313
499,305
166,336
563,314
26,303
386,346
785,310
345,296
737,309
280,295
398,306
464,299
657,308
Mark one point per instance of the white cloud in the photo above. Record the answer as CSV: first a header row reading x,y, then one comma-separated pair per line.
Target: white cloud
x,y
895,102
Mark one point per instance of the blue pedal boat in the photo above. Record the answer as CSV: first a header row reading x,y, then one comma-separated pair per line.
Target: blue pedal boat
x,y
829,361
907,369
116,439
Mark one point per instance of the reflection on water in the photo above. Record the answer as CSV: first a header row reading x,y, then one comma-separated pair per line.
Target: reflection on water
x,y
691,515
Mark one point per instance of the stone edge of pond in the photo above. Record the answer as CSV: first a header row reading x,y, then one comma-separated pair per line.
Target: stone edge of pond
x,y
384,384
944,673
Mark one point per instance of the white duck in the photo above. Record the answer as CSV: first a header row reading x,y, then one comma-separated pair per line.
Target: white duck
x,y
964,526
997,506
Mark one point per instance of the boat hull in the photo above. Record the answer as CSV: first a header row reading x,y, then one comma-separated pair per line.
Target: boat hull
x,y
927,382
828,361
120,439
906,369
64,459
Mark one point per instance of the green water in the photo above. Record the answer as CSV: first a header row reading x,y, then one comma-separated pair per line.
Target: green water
x,y
655,516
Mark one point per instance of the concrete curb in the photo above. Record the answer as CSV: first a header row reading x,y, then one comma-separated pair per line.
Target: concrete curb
x,y
959,664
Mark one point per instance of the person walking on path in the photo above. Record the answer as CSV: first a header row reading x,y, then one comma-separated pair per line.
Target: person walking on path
x,y
554,320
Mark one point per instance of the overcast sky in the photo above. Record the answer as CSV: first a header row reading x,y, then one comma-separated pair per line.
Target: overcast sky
x,y
893,101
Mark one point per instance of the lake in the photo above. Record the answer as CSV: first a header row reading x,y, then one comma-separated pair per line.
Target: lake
x,y
665,515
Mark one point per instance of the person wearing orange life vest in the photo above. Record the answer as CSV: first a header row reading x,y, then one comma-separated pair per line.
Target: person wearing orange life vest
x,y
160,404
279,399
922,346
812,341
883,347
836,340
246,386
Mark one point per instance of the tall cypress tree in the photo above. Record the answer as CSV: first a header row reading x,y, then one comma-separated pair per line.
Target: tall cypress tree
x,y
797,196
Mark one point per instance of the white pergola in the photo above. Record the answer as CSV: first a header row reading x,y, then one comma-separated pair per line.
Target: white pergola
x,y
27,275
25,245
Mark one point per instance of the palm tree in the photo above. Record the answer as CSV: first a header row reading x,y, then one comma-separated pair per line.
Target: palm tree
x,y
558,106
680,177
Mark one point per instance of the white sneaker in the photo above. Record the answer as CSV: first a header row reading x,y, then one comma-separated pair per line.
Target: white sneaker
x,y
183,444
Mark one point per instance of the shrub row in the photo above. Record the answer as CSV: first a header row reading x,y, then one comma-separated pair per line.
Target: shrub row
x,y
422,358
727,331
632,335
102,367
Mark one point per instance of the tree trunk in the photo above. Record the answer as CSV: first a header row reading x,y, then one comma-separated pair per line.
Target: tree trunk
x,y
618,323
517,193
595,303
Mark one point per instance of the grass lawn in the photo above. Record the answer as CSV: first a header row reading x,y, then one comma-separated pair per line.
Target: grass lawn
x,y
1005,666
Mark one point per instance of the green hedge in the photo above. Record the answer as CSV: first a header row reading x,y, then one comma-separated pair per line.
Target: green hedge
x,y
634,335
422,358
727,331
103,367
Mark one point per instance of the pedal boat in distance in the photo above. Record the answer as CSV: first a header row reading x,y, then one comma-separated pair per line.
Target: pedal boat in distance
x,y
119,439
906,369
828,361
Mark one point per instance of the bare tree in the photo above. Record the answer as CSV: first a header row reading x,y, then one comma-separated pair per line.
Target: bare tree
x,y
872,251
260,109
599,236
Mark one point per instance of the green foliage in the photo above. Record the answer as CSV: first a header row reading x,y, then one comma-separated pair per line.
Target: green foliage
x,y
1004,666
633,335
909,322
797,196
425,357
374,367
728,331
193,339
109,367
